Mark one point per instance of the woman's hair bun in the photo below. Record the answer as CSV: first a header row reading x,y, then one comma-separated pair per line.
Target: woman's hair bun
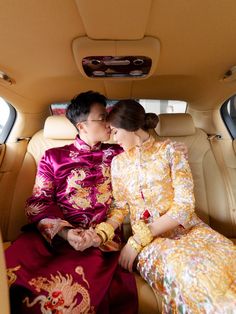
x,y
151,120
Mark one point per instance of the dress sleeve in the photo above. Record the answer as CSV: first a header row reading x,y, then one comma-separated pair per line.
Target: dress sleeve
x,y
119,207
41,207
182,208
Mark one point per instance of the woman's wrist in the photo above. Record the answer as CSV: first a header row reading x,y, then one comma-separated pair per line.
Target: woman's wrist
x,y
105,231
142,232
134,244
151,227
63,233
115,224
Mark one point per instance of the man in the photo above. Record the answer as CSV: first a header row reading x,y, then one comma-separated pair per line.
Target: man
x,y
68,273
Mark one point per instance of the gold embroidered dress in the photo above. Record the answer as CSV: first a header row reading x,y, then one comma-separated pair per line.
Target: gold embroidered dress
x,y
192,266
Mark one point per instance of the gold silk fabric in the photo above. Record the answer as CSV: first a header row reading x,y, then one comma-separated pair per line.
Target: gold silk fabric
x,y
192,266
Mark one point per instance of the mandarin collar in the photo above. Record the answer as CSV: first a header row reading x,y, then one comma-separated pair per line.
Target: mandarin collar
x,y
82,146
141,148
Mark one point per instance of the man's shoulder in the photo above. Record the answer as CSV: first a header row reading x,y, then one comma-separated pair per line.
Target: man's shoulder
x,y
54,151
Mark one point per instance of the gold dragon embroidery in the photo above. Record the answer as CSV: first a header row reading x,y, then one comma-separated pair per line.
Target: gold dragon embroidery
x,y
61,294
11,276
78,196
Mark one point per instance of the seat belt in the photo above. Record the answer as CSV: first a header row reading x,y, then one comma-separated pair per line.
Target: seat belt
x,y
218,154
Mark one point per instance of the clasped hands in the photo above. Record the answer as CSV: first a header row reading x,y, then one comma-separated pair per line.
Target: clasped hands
x,y
81,239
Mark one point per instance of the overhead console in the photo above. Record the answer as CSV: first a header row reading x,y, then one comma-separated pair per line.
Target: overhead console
x,y
116,58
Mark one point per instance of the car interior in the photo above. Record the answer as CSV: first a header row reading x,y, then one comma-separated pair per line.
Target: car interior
x,y
159,51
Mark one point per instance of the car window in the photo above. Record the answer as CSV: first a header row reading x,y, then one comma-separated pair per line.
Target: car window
x,y
163,106
150,105
7,118
228,113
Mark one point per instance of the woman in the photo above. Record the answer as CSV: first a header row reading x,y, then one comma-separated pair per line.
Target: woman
x,y
181,257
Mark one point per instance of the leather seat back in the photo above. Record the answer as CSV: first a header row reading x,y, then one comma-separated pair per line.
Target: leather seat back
x,y
210,193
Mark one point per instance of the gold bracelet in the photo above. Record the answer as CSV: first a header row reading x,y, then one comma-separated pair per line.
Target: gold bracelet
x,y
107,229
102,235
143,232
101,238
137,247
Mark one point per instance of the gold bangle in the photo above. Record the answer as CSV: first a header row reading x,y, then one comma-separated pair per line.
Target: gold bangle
x,y
137,247
102,235
107,229
143,232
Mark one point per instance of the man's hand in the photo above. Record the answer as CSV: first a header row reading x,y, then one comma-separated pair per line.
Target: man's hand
x,y
82,240
127,257
90,238
75,239
182,148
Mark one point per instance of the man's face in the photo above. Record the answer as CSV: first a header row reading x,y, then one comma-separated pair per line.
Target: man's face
x,y
96,128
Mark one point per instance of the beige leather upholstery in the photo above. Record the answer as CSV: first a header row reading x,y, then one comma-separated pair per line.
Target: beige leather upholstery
x,y
4,297
211,201
149,303
59,128
210,193
176,124
10,167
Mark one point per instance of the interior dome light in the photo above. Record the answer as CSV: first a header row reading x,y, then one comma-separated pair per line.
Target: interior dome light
x,y
136,73
98,73
4,78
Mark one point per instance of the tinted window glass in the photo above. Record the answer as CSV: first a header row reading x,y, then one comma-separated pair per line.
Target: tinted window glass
x,y
151,105
228,113
7,118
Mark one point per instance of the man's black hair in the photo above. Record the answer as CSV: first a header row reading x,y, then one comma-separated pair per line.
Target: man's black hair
x,y
80,106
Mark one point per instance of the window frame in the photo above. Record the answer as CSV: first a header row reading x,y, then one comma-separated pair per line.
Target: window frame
x,y
9,124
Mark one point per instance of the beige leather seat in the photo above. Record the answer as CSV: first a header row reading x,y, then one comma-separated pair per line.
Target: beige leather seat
x,y
58,131
211,200
211,196
4,297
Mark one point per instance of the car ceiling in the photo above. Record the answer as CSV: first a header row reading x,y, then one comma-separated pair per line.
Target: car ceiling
x,y
197,47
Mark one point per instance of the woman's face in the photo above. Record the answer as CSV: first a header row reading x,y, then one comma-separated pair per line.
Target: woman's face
x,y
125,139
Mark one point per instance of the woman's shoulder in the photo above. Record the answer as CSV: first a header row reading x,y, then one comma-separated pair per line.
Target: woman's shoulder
x,y
164,145
166,148
118,160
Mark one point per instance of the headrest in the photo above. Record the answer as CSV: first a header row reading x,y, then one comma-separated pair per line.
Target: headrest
x,y
175,124
59,128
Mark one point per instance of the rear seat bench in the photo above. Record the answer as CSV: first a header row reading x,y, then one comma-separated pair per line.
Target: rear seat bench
x,y
209,188
210,193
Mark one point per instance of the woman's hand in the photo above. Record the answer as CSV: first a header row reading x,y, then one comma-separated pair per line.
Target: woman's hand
x,y
127,257
81,240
